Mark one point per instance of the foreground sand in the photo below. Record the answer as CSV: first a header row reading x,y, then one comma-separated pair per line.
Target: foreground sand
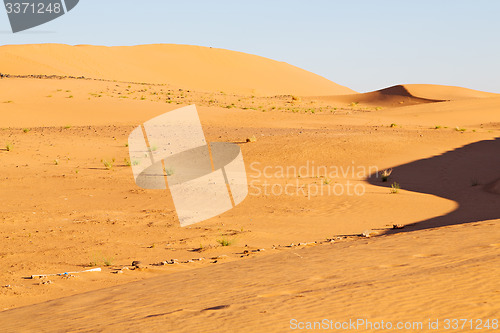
x,y
411,278
63,210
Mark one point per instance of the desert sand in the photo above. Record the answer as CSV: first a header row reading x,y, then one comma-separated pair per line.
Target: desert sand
x,y
69,201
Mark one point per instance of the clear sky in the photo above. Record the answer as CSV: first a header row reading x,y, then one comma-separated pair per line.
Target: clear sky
x,y
365,45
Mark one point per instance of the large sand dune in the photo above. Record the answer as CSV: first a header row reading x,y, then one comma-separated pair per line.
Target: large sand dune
x,y
188,67
409,94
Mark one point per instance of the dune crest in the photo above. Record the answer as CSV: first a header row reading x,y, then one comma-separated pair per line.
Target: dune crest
x,y
184,66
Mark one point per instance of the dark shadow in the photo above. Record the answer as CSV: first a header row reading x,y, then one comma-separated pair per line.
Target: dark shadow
x,y
463,175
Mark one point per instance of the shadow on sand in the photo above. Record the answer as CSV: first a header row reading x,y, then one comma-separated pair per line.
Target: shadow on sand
x,y
463,175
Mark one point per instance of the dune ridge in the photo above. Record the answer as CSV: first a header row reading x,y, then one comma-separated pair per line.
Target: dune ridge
x,y
191,67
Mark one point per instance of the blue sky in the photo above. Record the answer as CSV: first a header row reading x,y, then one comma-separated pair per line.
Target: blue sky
x,y
365,45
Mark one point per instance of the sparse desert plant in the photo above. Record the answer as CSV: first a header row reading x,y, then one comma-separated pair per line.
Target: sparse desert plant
x,y
8,146
67,127
127,162
385,174
70,96
353,104
153,148
56,162
224,241
437,127
108,165
26,130
136,162
395,188
252,139
393,125
169,171
8,102
126,145
459,129
326,181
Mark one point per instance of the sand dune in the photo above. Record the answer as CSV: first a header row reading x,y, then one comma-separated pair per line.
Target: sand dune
x,y
183,66
459,175
64,209
408,94
445,93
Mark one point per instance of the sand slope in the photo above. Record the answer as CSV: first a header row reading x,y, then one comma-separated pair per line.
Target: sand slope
x,y
188,67
408,278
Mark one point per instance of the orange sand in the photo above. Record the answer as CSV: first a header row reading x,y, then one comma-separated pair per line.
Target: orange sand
x,y
63,210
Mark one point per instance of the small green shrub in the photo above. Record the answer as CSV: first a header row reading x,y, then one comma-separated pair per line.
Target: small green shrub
x,y
169,171
395,188
108,165
252,139
224,241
